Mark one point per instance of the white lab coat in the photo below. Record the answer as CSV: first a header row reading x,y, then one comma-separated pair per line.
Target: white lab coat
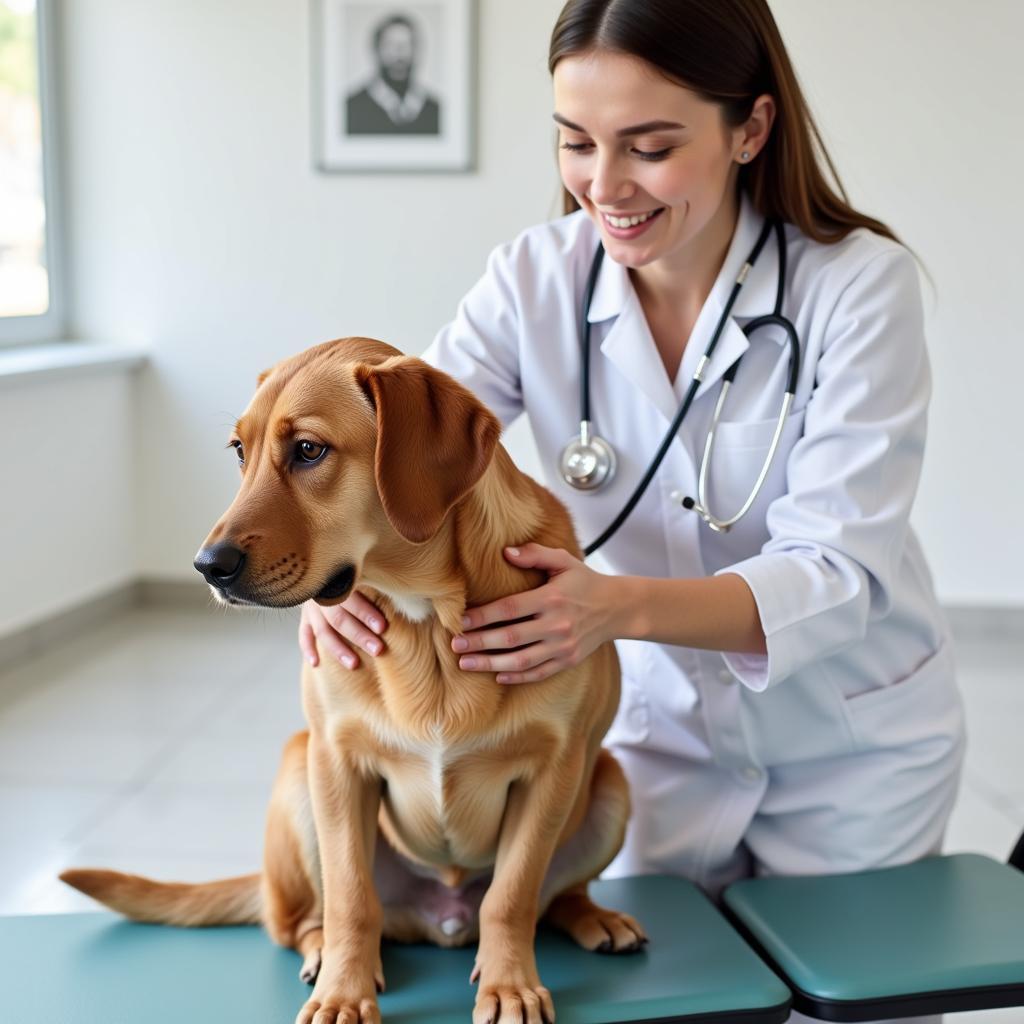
x,y
840,748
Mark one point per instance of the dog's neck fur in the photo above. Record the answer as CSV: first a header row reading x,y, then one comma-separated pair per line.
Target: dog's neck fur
x,y
464,564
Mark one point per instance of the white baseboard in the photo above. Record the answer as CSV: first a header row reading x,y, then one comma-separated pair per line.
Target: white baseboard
x,y
31,640
986,624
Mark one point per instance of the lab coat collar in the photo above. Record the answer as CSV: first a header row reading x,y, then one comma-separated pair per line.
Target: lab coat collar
x,y
630,346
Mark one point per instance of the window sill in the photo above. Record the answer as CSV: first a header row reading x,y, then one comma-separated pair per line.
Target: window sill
x,y
66,359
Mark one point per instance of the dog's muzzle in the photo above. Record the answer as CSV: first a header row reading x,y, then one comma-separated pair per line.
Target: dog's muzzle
x,y
221,564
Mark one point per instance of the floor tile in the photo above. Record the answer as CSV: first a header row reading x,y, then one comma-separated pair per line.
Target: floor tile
x,y
213,819
36,823
978,826
30,756
36,812
152,676
244,757
44,893
993,750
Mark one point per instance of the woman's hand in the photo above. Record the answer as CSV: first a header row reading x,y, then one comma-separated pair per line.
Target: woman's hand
x,y
572,614
356,619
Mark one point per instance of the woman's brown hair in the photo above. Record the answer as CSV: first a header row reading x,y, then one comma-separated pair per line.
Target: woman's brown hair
x,y
729,52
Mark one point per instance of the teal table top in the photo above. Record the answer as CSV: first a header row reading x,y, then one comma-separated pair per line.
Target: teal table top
x,y
100,969
940,925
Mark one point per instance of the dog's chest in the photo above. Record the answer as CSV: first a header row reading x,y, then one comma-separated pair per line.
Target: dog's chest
x,y
435,759
446,801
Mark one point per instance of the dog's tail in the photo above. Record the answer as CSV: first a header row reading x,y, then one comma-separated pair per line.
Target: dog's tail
x,y
228,901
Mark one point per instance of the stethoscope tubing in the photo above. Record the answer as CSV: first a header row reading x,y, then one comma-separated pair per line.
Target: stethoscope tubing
x,y
774,318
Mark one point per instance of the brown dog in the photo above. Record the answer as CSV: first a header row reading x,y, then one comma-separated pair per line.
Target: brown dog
x,y
424,802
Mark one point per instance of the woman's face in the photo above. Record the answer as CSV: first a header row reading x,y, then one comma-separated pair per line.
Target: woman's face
x,y
633,144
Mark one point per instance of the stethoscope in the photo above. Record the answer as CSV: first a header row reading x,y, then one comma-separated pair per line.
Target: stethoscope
x,y
588,461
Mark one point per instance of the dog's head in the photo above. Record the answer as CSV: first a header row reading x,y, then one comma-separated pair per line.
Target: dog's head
x,y
344,447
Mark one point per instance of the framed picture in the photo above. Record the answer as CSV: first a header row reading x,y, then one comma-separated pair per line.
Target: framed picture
x,y
393,88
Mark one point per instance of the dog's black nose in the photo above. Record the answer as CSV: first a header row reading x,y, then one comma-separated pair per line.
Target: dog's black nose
x,y
221,564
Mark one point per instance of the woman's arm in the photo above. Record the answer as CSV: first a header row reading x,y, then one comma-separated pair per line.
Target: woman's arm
x,y
578,609
717,613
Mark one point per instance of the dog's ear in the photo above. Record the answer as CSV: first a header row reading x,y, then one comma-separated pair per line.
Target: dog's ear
x,y
434,441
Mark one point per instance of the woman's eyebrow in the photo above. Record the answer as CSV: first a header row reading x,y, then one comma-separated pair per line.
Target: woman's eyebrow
x,y
635,129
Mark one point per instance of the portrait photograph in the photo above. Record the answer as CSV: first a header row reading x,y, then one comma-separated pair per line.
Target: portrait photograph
x,y
392,90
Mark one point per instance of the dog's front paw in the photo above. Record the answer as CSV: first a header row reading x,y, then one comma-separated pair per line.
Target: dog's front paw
x,y
342,1002
520,1001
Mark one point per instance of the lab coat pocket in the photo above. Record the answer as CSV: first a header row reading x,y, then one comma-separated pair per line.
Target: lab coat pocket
x,y
756,435
922,705
737,457
800,719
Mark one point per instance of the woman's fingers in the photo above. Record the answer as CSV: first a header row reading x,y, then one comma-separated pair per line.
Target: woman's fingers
x,y
326,640
333,645
328,629
534,675
364,610
528,658
307,642
359,621
354,631
513,634
505,609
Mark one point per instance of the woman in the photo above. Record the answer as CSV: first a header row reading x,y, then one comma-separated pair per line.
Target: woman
x,y
789,704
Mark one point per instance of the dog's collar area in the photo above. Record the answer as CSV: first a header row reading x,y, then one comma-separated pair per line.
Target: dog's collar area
x,y
414,607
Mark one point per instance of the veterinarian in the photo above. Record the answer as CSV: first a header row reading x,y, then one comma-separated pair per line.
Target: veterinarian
x,y
789,703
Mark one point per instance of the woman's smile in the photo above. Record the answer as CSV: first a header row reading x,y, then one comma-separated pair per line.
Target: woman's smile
x,y
626,226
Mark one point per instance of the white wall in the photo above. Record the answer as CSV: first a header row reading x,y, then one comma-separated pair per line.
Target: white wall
x,y
199,228
67,492
919,102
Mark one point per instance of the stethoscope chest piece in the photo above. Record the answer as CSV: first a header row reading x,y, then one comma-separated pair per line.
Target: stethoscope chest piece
x,y
587,461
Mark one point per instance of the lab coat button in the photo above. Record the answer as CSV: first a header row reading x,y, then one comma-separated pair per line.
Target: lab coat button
x,y
751,774
725,676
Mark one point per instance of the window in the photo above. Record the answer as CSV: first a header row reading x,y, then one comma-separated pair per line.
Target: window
x,y
30,307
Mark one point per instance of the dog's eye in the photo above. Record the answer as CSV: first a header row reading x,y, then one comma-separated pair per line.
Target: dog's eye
x,y
239,451
309,451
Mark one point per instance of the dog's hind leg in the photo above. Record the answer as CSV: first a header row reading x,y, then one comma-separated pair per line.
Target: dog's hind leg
x,y
292,894
582,857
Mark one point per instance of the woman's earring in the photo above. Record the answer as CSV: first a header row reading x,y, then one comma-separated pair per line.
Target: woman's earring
x,y
744,155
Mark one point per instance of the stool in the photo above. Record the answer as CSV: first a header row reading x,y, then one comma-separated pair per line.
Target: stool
x,y
100,969
940,935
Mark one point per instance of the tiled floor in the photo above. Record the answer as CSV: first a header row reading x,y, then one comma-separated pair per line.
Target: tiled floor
x,y
150,744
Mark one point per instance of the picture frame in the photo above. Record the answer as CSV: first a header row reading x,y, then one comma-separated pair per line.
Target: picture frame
x,y
393,85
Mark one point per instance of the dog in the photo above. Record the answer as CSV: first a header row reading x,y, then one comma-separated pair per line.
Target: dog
x,y
424,803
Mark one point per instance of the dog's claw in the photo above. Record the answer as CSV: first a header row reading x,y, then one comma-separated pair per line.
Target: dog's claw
x,y
310,967
503,1004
